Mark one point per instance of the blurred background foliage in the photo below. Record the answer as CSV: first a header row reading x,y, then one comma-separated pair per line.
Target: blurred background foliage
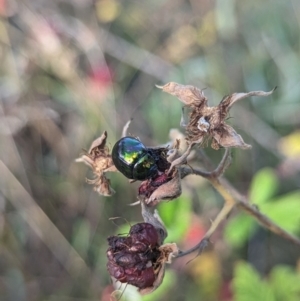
x,y
71,69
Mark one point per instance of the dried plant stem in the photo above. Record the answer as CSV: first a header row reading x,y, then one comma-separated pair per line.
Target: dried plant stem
x,y
182,159
232,198
214,225
244,204
220,217
40,223
266,222
228,198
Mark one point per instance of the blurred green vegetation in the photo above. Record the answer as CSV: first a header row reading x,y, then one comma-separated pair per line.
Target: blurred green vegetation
x,y
283,210
71,69
282,284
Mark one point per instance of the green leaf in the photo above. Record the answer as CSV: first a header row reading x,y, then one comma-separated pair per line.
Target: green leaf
x,y
285,211
248,286
238,229
285,283
176,216
167,210
263,186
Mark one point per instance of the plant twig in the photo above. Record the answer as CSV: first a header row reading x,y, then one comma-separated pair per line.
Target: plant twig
x,y
266,222
223,165
244,204
198,247
232,198
182,159
214,225
228,198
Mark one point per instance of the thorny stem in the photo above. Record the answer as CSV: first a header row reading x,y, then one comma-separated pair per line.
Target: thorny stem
x,y
244,204
232,198
214,225
198,247
265,221
228,205
223,165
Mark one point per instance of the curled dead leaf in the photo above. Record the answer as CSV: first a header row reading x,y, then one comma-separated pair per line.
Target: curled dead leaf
x,y
167,191
189,95
164,187
228,137
99,160
167,252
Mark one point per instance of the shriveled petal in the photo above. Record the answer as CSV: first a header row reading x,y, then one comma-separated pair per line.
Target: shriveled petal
x,y
187,94
103,187
100,161
228,137
125,128
86,160
230,100
99,142
158,281
168,251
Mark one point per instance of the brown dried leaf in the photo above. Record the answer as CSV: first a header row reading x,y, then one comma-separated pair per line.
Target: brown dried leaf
x,y
86,160
99,143
228,137
168,251
104,188
167,191
189,95
100,161
228,101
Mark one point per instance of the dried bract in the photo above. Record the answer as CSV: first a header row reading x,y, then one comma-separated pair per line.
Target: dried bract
x,y
168,190
209,122
167,252
189,95
100,161
166,186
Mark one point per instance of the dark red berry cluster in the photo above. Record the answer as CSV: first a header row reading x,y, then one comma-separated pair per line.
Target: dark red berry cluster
x,y
132,259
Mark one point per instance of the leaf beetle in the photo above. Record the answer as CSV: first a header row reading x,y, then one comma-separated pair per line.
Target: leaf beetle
x,y
134,160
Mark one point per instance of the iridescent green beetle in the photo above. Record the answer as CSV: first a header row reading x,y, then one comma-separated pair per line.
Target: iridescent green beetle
x,y
134,160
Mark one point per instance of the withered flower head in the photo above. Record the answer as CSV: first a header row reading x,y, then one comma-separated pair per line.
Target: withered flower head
x,y
100,161
209,122
138,259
